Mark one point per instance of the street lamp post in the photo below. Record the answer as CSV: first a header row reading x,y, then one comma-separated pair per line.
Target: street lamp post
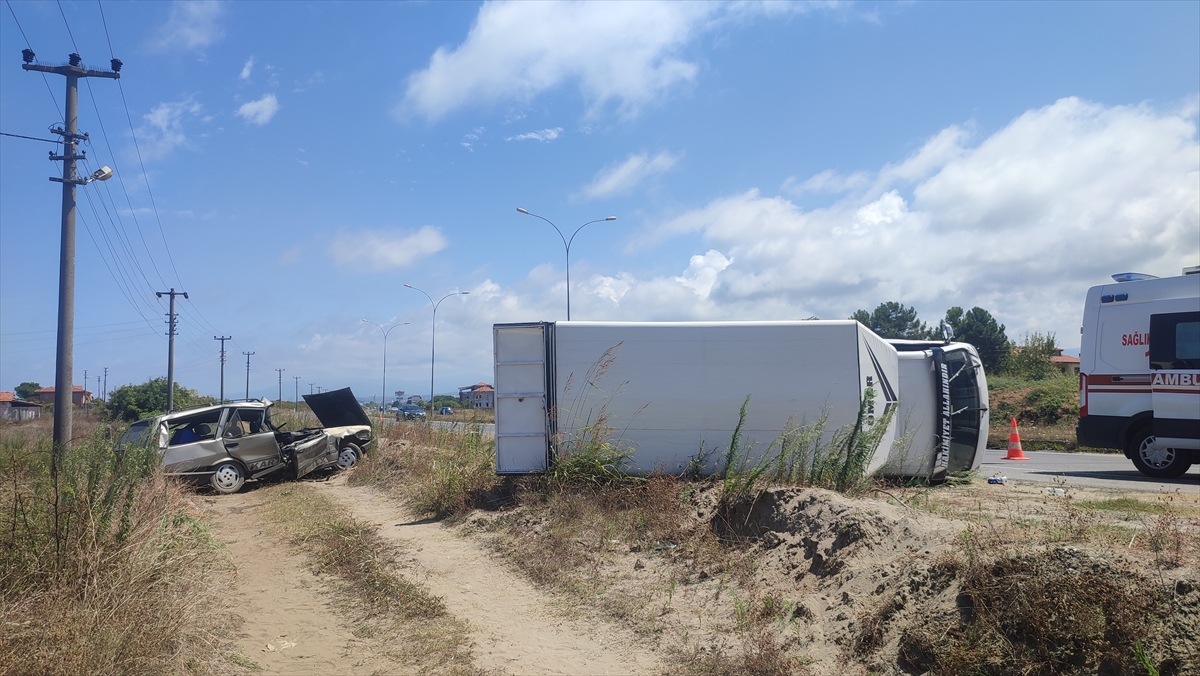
x,y
383,401
566,245
433,338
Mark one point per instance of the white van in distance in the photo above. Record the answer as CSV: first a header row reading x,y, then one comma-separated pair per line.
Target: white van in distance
x,y
1139,371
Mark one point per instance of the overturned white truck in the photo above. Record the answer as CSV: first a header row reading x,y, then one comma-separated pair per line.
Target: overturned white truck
x,y
671,391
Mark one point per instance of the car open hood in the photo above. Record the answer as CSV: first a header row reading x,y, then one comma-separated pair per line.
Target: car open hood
x,y
337,408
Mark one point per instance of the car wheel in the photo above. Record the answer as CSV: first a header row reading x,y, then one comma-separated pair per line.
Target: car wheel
x,y
348,456
1155,460
228,478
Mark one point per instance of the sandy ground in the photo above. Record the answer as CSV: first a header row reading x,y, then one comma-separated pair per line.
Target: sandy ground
x,y
290,626
515,627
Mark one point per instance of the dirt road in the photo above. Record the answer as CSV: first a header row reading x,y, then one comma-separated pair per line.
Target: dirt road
x,y
290,625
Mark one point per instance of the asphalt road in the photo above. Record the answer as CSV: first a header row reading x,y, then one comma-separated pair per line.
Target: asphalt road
x,y
1084,469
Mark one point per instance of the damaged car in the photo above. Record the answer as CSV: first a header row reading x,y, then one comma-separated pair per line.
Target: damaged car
x,y
226,444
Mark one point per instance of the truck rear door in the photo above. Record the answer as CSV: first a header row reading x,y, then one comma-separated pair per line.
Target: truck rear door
x,y
523,399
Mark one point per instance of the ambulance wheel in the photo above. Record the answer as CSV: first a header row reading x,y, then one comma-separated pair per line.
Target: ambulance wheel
x,y
1153,460
228,478
348,456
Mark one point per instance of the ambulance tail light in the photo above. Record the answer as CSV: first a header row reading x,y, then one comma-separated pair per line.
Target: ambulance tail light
x,y
1083,395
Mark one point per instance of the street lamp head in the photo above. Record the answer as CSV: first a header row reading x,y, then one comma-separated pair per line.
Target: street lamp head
x,y
102,174
611,218
410,286
464,293
523,211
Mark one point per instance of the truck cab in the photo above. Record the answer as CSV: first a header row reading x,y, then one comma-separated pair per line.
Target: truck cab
x,y
947,378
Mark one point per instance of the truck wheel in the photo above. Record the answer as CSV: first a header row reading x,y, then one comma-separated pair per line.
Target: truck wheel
x,y
1153,460
348,456
228,478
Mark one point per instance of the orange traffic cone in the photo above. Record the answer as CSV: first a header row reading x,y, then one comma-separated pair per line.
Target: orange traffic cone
x,y
1014,444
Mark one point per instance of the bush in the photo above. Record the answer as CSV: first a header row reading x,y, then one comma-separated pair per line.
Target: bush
x,y
128,403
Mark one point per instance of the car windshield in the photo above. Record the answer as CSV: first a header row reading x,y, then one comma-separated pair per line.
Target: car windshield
x,y
136,434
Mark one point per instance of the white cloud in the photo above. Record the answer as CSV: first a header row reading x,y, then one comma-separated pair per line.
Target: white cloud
x,y
261,111
247,69
623,177
192,24
379,250
628,53
702,272
828,181
163,131
544,135
471,138
1020,224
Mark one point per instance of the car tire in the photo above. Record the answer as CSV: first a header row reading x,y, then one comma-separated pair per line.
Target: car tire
x,y
348,456
1155,461
228,479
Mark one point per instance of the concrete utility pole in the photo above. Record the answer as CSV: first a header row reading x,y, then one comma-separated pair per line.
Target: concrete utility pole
x,y
296,401
222,339
86,408
172,323
310,388
280,372
247,374
105,383
65,354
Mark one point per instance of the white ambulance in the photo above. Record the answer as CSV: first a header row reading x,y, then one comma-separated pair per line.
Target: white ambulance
x,y
1139,371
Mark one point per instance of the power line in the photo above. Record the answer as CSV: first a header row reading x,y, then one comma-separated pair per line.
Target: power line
x,y
30,47
31,138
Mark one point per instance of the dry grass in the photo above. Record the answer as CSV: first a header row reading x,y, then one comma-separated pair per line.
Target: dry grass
x,y
435,471
1065,580
385,603
102,568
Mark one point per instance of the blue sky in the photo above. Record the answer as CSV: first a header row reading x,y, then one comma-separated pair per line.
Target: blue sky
x,y
763,160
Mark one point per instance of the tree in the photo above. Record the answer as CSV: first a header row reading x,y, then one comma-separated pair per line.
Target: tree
x,y
979,328
28,391
133,402
1031,359
893,320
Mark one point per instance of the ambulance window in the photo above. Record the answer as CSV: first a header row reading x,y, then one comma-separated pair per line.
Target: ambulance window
x,y
1175,341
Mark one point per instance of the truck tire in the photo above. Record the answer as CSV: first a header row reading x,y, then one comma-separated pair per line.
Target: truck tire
x,y
348,456
1153,460
228,479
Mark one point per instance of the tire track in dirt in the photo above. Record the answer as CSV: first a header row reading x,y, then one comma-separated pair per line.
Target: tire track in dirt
x,y
515,628
281,602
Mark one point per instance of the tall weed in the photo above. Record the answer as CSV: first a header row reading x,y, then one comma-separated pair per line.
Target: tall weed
x,y
437,471
102,568
590,453
802,456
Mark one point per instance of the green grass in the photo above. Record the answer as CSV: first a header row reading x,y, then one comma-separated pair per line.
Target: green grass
x,y
1129,505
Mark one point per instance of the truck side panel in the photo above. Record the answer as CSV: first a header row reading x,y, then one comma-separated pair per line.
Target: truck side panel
x,y
672,391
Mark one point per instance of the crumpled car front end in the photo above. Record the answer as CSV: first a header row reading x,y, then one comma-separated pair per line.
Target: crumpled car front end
x,y
344,422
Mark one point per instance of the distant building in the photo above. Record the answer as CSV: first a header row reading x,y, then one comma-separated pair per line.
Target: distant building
x,y
415,399
12,408
479,395
1067,364
79,396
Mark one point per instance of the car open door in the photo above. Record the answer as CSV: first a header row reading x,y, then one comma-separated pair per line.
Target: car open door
x,y
249,439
